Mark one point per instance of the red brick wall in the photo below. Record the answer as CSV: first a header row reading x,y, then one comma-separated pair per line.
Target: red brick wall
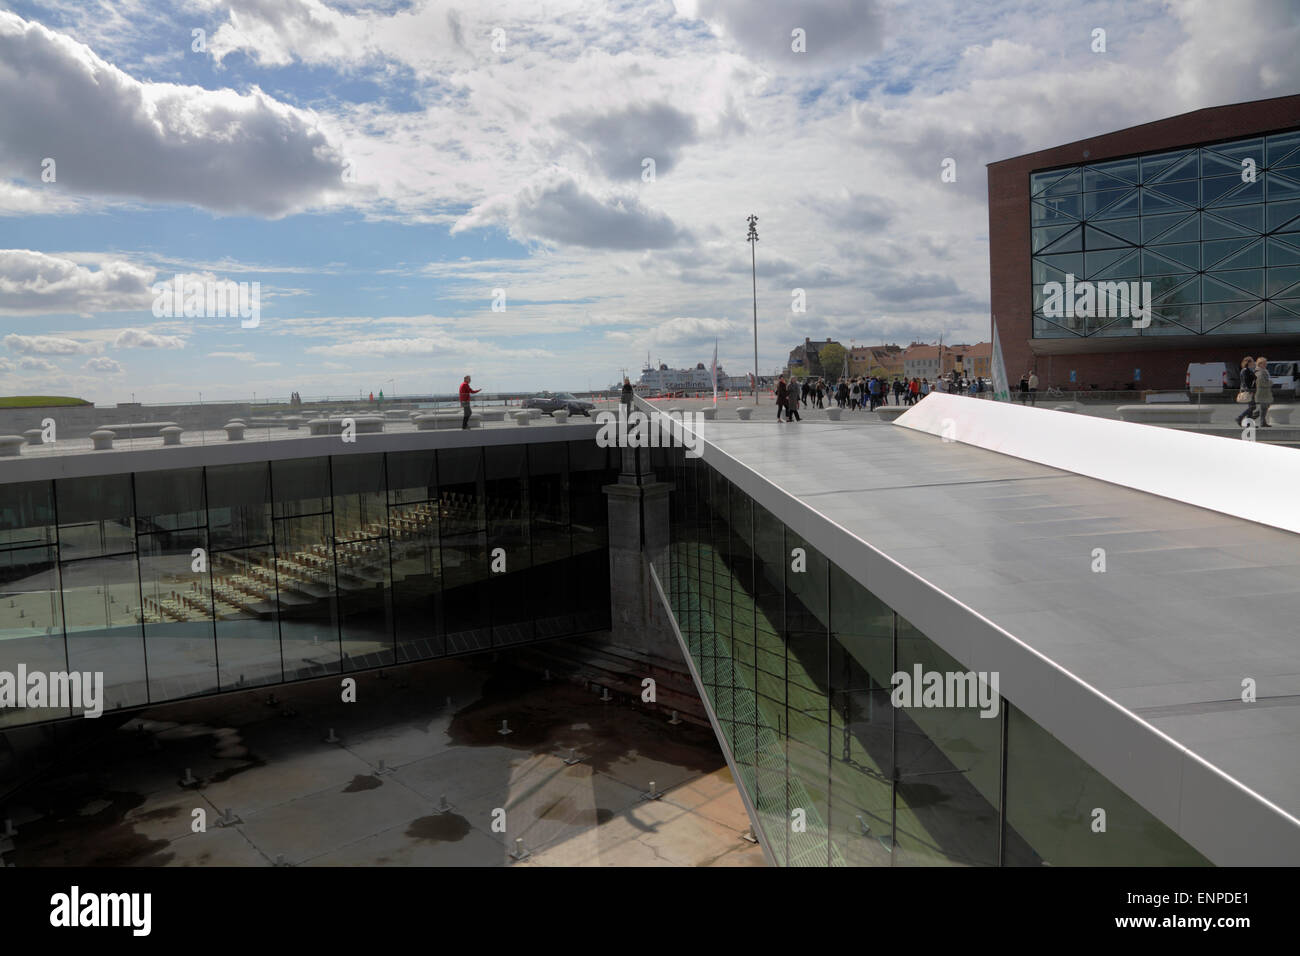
x,y
1163,366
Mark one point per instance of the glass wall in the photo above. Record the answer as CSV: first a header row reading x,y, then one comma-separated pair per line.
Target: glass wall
x,y
1214,229
798,663
190,581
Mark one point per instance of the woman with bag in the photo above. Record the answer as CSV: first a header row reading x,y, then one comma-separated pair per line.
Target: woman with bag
x,y
1246,390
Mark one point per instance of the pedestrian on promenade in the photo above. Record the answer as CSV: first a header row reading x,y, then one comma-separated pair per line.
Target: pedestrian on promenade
x,y
1247,387
465,393
1033,388
782,396
627,393
925,387
1024,388
1263,390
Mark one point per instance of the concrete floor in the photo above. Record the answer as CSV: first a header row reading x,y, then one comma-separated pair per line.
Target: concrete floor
x,y
117,799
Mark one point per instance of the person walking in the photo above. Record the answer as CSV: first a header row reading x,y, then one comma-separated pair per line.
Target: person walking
x,y
782,396
627,393
1024,388
465,393
1263,390
1033,388
1247,387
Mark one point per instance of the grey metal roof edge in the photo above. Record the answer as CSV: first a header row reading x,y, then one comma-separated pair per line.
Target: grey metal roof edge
x,y
1223,819
119,460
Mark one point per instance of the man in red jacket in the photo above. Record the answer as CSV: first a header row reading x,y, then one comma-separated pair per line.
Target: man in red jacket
x,y
465,393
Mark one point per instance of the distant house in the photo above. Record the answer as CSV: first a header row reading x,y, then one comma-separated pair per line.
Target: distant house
x,y
804,359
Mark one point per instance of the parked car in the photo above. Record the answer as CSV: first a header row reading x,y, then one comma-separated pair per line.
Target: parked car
x,y
1285,376
552,402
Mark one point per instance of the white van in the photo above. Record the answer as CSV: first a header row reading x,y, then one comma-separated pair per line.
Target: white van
x,y
1284,375
1210,376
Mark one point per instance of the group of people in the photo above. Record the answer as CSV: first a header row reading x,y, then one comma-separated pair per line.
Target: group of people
x,y
1029,387
866,392
1255,390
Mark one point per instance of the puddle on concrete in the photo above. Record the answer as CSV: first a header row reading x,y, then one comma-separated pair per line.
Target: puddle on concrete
x,y
363,781
441,828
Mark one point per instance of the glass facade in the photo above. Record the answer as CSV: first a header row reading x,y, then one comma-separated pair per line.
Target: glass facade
x,y
1214,229
191,581
796,659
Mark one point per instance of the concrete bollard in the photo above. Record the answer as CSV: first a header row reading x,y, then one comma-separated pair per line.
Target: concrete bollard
x,y
189,780
171,434
505,729
228,818
605,695
443,806
560,416
34,436
744,412
234,431
520,852
573,758
676,720
330,738
382,769
103,439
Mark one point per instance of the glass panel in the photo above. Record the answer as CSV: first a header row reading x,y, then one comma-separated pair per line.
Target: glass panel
x,y
308,587
247,626
1187,191
1157,163
1241,149
1058,239
1281,188
96,516
551,584
1056,210
239,505
169,500
463,536
179,638
359,510
1282,149
101,607
31,618
362,560
412,476
949,757
1280,216
1125,169
1215,227
27,514
509,553
1052,796
1189,167
302,486
862,772
1282,253
1066,185
1153,226
417,580
1121,208
1158,263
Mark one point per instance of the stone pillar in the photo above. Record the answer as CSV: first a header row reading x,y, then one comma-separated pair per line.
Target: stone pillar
x,y
638,534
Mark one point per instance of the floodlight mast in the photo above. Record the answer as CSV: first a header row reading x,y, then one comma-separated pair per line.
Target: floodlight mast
x,y
751,239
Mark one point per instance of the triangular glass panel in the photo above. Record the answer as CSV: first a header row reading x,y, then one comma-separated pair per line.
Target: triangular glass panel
x,y
1187,230
1153,166
1249,320
1213,227
1125,268
1093,203
1248,193
1280,215
1282,319
1057,210
1121,208
1095,262
1096,238
1281,147
1176,290
1287,238
1047,272
1163,260
1185,191
1180,318
1241,149
1212,164
1125,169
1044,236
1291,305
1153,226
1251,257
1067,185
1222,248
1039,182
1247,280
1281,279
1252,217
1189,167
1154,202
1214,189
1282,188
1212,290
1288,162
1071,262
1094,181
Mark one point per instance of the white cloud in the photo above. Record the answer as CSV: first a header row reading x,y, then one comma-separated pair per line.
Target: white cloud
x,y
104,366
29,363
47,345
424,346
237,356
110,134
34,283
144,339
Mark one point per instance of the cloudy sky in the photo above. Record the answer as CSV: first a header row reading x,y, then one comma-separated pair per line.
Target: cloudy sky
x,y
381,169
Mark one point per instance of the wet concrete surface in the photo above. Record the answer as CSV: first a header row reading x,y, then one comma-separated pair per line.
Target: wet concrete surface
x,y
411,781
